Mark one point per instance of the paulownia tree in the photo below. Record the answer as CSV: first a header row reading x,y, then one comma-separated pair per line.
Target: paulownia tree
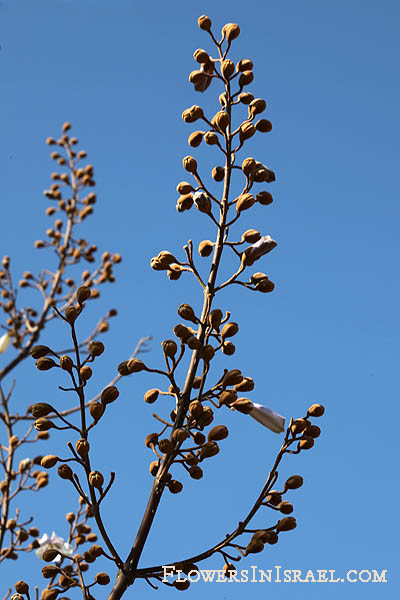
x,y
186,437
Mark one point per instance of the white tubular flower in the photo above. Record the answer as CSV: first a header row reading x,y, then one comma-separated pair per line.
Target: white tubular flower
x,y
4,342
264,245
54,543
268,417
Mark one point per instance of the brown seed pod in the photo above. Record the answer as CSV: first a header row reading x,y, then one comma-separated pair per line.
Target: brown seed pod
x,y
180,435
186,312
246,385
228,348
182,332
244,65
207,352
293,483
190,164
66,363
313,431
191,459
299,425
211,138
246,78
229,330
45,363
218,173
316,410
230,31
39,351
215,318
96,479
135,365
285,507
208,450
72,313
251,236
42,409
267,537
265,286
256,106
201,56
85,372
232,377
166,446
245,97
169,348
195,139
286,524
192,114
243,405
274,497
82,447
151,396
227,397
49,461
193,342
185,202
206,417
306,443
49,555
109,394
264,198
174,486
43,424
204,23
96,409
65,472
205,248
151,440
219,432
199,80
264,126
244,202
50,571
220,120
199,438
96,348
102,578
255,545
184,188
227,68
246,131
195,409
83,293
196,472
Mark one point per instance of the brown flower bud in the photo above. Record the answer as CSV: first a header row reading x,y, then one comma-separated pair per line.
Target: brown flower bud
x,y
246,385
286,524
316,410
255,545
49,461
66,363
151,396
43,424
244,202
219,432
201,56
205,248
211,138
306,443
227,68
232,377
246,78
204,22
96,348
166,446
193,342
96,550
227,397
185,202
151,440
184,188
230,31
244,65
45,363
274,497
85,372
102,578
245,97
208,450
256,106
109,394
251,236
71,313
228,348
41,409
264,198
263,173
83,293
154,468
246,131
202,202
186,312
196,472
65,471
96,479
298,426
174,486
96,409
169,348
229,330
192,114
207,352
180,435
49,555
267,537
206,417
243,405
50,571
199,438
195,139
220,120
313,431
134,365
218,173
200,80
196,382
195,408
285,507
265,286
39,351
22,587
82,447
182,332
264,126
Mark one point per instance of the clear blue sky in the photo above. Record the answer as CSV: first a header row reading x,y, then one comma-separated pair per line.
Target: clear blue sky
x,y
329,333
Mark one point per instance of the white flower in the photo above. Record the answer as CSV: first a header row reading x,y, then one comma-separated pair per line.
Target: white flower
x,y
5,342
24,464
265,244
53,543
268,417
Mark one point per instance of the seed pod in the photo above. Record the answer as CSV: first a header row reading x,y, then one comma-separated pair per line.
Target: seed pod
x,y
195,408
40,410
205,248
65,471
85,373
50,571
195,139
274,497
256,106
255,545
39,351
45,363
232,377
43,424
134,365
316,410
169,348
185,202
228,348
244,202
208,450
186,312
201,56
190,164
154,468
244,65
243,405
204,23
229,330
221,120
286,524
182,332
96,348
211,138
180,435
96,479
193,342
246,131
166,446
246,385
151,396
196,472
245,97
49,555
227,68
246,78
174,486
251,236
230,31
207,352
96,409
102,578
264,198
285,507
83,293
218,173
82,447
49,461
219,432
199,438
109,394
192,114
264,126
184,188
306,443
72,313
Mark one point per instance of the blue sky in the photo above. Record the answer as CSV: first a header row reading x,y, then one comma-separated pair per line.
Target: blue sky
x,y
329,333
